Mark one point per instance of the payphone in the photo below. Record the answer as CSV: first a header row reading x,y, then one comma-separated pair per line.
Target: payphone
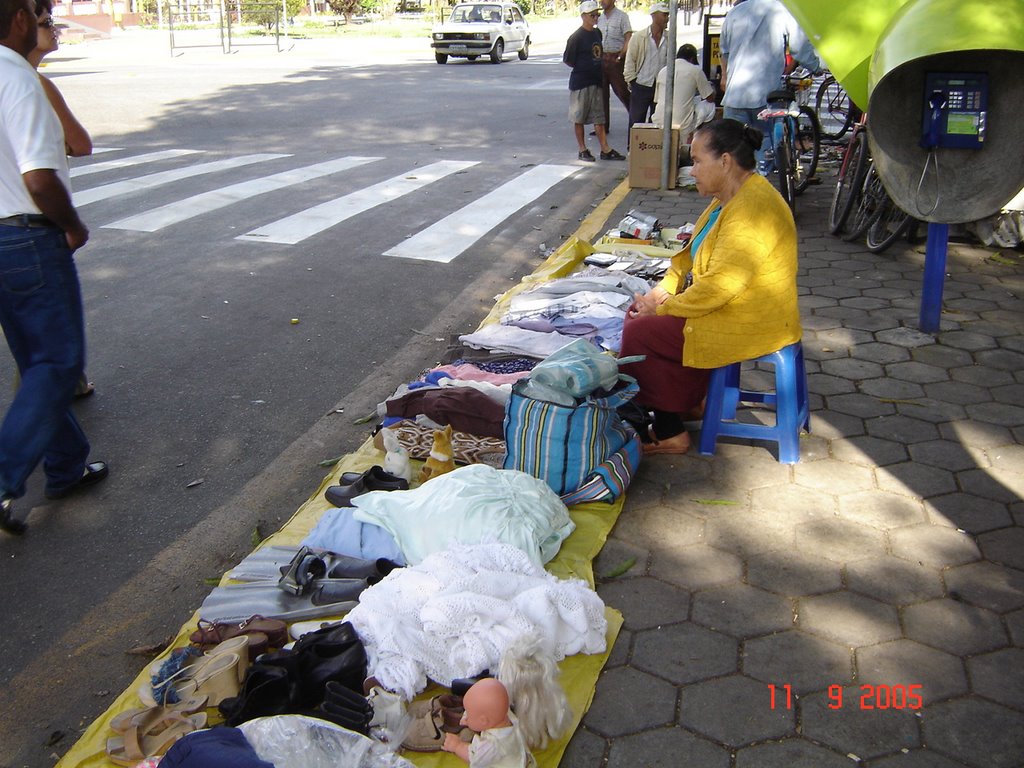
x,y
955,110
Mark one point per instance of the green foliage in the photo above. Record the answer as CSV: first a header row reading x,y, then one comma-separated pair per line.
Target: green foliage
x,y
266,12
346,8
525,6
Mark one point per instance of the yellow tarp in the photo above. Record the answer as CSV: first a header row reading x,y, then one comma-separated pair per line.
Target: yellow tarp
x,y
593,524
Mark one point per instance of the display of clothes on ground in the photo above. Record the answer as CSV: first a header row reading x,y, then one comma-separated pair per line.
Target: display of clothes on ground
x,y
425,562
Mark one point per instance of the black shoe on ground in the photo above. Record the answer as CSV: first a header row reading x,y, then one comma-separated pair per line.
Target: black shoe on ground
x,y
612,154
586,155
95,472
7,520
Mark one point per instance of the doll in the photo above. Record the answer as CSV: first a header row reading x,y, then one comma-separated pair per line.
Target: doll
x,y
440,459
396,460
498,743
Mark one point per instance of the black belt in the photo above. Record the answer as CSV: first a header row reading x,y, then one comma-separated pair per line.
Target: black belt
x,y
27,220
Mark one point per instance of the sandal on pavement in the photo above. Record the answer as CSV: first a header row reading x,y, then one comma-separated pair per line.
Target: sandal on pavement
x,y
94,472
612,154
137,744
678,444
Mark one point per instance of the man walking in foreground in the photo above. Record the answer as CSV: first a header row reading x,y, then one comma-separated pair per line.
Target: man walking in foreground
x,y
40,298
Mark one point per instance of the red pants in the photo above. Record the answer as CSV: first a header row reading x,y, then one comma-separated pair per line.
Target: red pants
x,y
613,80
665,383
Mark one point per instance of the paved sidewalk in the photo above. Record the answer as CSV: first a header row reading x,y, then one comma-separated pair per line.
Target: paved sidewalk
x,y
888,564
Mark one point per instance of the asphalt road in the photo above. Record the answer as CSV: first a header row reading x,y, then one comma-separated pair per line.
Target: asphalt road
x,y
212,406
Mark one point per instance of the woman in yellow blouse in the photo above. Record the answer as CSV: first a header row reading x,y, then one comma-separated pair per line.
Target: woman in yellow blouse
x,y
730,296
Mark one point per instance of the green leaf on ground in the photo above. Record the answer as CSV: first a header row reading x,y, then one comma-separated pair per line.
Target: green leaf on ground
x,y
998,258
366,419
211,581
327,463
257,536
715,502
620,569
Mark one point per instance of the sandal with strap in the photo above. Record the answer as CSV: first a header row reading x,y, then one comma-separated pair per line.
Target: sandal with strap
x,y
138,744
211,633
146,717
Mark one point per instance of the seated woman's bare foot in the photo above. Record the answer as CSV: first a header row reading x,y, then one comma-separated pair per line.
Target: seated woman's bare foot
x,y
677,444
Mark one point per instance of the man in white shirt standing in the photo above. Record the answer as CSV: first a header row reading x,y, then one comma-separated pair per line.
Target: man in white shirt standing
x,y
646,55
615,33
40,297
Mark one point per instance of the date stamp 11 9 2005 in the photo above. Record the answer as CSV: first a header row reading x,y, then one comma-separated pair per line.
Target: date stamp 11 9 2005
x,y
864,697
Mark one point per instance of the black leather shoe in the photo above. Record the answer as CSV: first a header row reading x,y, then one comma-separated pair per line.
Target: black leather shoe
x,y
373,479
95,472
8,521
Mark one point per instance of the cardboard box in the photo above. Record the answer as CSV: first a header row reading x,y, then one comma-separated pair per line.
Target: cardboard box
x,y
645,143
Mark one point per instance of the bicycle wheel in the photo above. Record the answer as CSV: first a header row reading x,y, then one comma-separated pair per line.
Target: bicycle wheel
x,y
807,146
869,205
889,227
784,166
849,183
833,107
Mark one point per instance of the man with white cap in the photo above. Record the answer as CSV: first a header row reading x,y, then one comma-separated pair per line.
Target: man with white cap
x,y
646,55
583,52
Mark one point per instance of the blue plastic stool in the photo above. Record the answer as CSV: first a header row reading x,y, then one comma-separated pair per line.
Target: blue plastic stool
x,y
792,412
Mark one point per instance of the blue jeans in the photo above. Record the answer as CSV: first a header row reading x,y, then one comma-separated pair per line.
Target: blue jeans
x,y
749,116
41,315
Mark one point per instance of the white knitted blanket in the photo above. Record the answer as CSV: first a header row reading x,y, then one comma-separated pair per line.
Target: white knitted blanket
x,y
455,613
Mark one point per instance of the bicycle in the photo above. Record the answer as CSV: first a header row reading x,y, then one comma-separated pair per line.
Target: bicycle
x,y
794,137
835,111
850,180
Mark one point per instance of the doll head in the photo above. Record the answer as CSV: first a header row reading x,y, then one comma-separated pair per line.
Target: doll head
x,y
486,704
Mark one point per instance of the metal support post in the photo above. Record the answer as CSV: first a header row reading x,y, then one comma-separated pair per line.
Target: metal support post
x,y
934,277
667,155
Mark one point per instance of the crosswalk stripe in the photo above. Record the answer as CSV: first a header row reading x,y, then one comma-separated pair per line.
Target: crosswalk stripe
x,y
172,213
140,183
101,150
124,162
296,228
450,236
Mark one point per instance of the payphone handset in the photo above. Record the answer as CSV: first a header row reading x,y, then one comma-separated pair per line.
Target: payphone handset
x,y
955,110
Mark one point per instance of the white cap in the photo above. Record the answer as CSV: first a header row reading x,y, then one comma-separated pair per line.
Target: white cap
x,y
589,6
659,8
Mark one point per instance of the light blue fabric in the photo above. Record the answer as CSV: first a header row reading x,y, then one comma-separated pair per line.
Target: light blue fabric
x,y
476,504
339,532
699,237
753,45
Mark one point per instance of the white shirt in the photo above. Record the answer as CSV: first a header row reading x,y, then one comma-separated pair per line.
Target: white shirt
x,y
656,58
690,82
31,137
614,26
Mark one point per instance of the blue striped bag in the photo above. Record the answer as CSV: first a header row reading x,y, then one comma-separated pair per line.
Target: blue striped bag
x,y
584,452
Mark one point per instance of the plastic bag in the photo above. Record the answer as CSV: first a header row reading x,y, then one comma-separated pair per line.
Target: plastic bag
x,y
296,741
574,371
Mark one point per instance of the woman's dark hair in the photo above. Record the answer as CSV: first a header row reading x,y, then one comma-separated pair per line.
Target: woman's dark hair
x,y
43,5
732,136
